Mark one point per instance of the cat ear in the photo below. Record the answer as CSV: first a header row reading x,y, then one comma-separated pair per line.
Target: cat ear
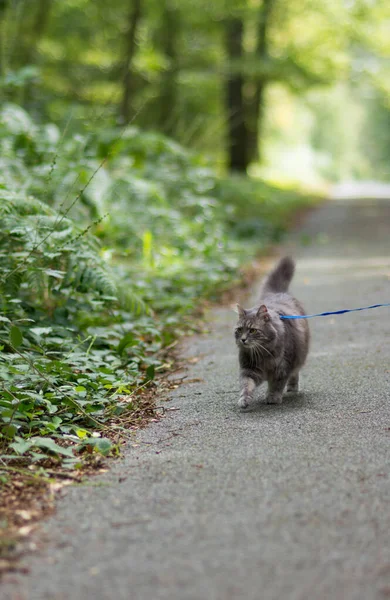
x,y
262,311
241,311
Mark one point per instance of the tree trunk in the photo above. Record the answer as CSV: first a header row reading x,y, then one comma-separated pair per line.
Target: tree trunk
x,y
29,52
3,9
237,131
256,102
168,94
128,78
30,30
41,19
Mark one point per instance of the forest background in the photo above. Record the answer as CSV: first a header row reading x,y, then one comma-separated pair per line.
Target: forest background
x,y
305,85
148,149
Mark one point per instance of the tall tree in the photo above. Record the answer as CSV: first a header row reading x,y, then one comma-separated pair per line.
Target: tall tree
x,y
169,34
3,8
30,52
41,19
128,75
255,102
236,123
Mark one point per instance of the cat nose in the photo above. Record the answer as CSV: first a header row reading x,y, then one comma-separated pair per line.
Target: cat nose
x,y
243,339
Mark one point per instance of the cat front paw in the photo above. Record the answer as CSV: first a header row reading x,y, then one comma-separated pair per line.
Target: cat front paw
x,y
292,389
274,399
243,402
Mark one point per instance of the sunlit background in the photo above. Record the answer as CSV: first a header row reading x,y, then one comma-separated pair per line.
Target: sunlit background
x,y
295,90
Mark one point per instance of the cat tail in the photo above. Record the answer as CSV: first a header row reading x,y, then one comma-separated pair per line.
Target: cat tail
x,y
280,277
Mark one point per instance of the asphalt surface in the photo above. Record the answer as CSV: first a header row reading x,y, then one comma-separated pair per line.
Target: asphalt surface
x,y
279,502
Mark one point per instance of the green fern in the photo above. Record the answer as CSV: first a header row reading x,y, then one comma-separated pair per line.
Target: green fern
x,y
38,246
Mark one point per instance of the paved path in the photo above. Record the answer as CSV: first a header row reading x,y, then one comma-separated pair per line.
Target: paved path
x,y
282,502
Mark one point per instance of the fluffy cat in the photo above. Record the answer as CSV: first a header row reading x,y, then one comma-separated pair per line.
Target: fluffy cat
x,y
270,348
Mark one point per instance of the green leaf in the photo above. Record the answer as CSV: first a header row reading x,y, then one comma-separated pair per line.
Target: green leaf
x,y
56,421
127,340
49,444
103,445
20,445
36,456
16,336
81,433
41,330
150,372
9,431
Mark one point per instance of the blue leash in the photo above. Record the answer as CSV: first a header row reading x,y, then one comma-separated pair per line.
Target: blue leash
x,y
336,312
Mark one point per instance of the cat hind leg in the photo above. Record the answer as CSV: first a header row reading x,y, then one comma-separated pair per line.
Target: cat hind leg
x,y
275,391
293,384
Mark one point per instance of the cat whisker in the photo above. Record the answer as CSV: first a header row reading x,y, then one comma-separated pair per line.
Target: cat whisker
x,y
257,355
260,346
254,355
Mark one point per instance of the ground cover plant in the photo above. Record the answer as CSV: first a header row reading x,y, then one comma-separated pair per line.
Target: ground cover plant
x,y
109,243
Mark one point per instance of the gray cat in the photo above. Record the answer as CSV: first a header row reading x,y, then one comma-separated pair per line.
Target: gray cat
x,y
270,348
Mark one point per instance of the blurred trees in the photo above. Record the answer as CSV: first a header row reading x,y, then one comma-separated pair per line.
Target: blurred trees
x,y
201,72
130,48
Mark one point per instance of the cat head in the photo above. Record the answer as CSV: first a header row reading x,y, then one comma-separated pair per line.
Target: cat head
x,y
254,328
